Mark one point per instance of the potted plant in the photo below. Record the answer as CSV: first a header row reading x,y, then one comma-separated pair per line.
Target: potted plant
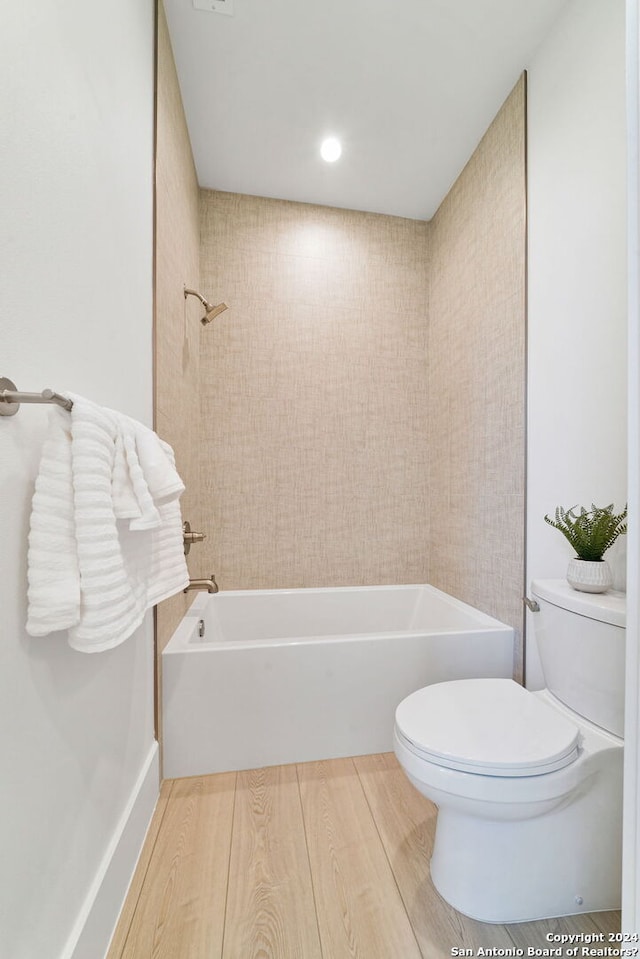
x,y
590,533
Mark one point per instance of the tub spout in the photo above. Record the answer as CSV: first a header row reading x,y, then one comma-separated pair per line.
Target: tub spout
x,y
209,584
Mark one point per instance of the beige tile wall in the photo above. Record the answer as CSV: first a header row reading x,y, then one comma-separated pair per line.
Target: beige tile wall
x,y
477,376
341,437
177,326
314,395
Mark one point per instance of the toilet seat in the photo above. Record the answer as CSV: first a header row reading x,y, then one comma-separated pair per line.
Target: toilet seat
x,y
491,727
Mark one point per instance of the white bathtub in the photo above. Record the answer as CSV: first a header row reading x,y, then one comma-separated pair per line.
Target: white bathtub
x,y
284,676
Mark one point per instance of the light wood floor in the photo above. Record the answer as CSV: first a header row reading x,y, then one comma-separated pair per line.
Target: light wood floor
x,y
324,860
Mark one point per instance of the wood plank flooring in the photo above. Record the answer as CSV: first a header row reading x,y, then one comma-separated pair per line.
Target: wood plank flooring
x,y
324,860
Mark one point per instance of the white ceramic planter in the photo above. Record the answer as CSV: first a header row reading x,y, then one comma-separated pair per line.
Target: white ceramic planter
x,y
589,577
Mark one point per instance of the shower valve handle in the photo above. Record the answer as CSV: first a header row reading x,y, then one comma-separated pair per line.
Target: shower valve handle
x,y
189,537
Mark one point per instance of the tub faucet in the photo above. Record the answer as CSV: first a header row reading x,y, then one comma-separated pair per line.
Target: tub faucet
x,y
209,584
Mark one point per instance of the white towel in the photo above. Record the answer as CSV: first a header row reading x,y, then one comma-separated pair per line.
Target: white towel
x,y
53,574
144,474
148,516
119,572
125,504
158,465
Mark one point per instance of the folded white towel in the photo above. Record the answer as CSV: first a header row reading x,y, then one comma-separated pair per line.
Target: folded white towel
x,y
53,574
148,516
158,465
119,572
144,474
125,504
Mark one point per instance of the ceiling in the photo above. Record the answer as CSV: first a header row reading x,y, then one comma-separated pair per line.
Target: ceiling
x,y
408,86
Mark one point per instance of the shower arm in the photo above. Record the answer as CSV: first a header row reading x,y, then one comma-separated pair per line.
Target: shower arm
x,y
204,302
211,311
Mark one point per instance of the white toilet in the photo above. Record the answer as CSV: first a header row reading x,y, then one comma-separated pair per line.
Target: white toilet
x,y
528,784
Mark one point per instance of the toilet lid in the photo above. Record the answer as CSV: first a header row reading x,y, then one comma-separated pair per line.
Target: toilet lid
x,y
492,727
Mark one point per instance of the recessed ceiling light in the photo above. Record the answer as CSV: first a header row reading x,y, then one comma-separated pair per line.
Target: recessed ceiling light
x,y
330,149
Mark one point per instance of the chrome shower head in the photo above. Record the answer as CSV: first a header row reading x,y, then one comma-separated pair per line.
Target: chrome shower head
x,y
211,311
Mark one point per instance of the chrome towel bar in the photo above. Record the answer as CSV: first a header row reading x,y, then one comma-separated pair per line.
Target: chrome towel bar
x,y
11,398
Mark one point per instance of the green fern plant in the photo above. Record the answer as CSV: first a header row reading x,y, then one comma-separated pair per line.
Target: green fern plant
x,y
590,532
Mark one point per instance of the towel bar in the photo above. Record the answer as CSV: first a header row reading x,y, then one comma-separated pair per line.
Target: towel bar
x,y
10,398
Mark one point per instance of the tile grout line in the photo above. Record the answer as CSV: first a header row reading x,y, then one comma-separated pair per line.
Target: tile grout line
x,y
386,855
306,845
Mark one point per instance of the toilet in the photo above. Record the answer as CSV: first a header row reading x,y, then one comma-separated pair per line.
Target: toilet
x,y
528,784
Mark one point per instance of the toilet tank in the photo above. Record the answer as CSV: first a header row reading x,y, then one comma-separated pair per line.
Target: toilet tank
x,y
581,642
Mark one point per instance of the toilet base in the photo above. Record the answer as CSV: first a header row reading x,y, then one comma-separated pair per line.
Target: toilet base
x,y
565,862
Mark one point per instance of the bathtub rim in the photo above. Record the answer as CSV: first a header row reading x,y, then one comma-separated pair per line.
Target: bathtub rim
x,y
183,641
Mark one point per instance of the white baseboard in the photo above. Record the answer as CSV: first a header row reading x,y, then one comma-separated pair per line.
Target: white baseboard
x,y
97,920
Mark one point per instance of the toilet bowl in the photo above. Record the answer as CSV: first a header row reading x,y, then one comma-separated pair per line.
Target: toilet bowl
x,y
529,789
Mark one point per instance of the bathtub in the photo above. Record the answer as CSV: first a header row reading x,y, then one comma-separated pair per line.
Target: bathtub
x,y
263,677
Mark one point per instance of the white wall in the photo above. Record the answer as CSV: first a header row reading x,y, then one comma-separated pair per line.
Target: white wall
x,y
631,808
577,282
76,167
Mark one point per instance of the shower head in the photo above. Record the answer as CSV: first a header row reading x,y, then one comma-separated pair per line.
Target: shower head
x,y
211,310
